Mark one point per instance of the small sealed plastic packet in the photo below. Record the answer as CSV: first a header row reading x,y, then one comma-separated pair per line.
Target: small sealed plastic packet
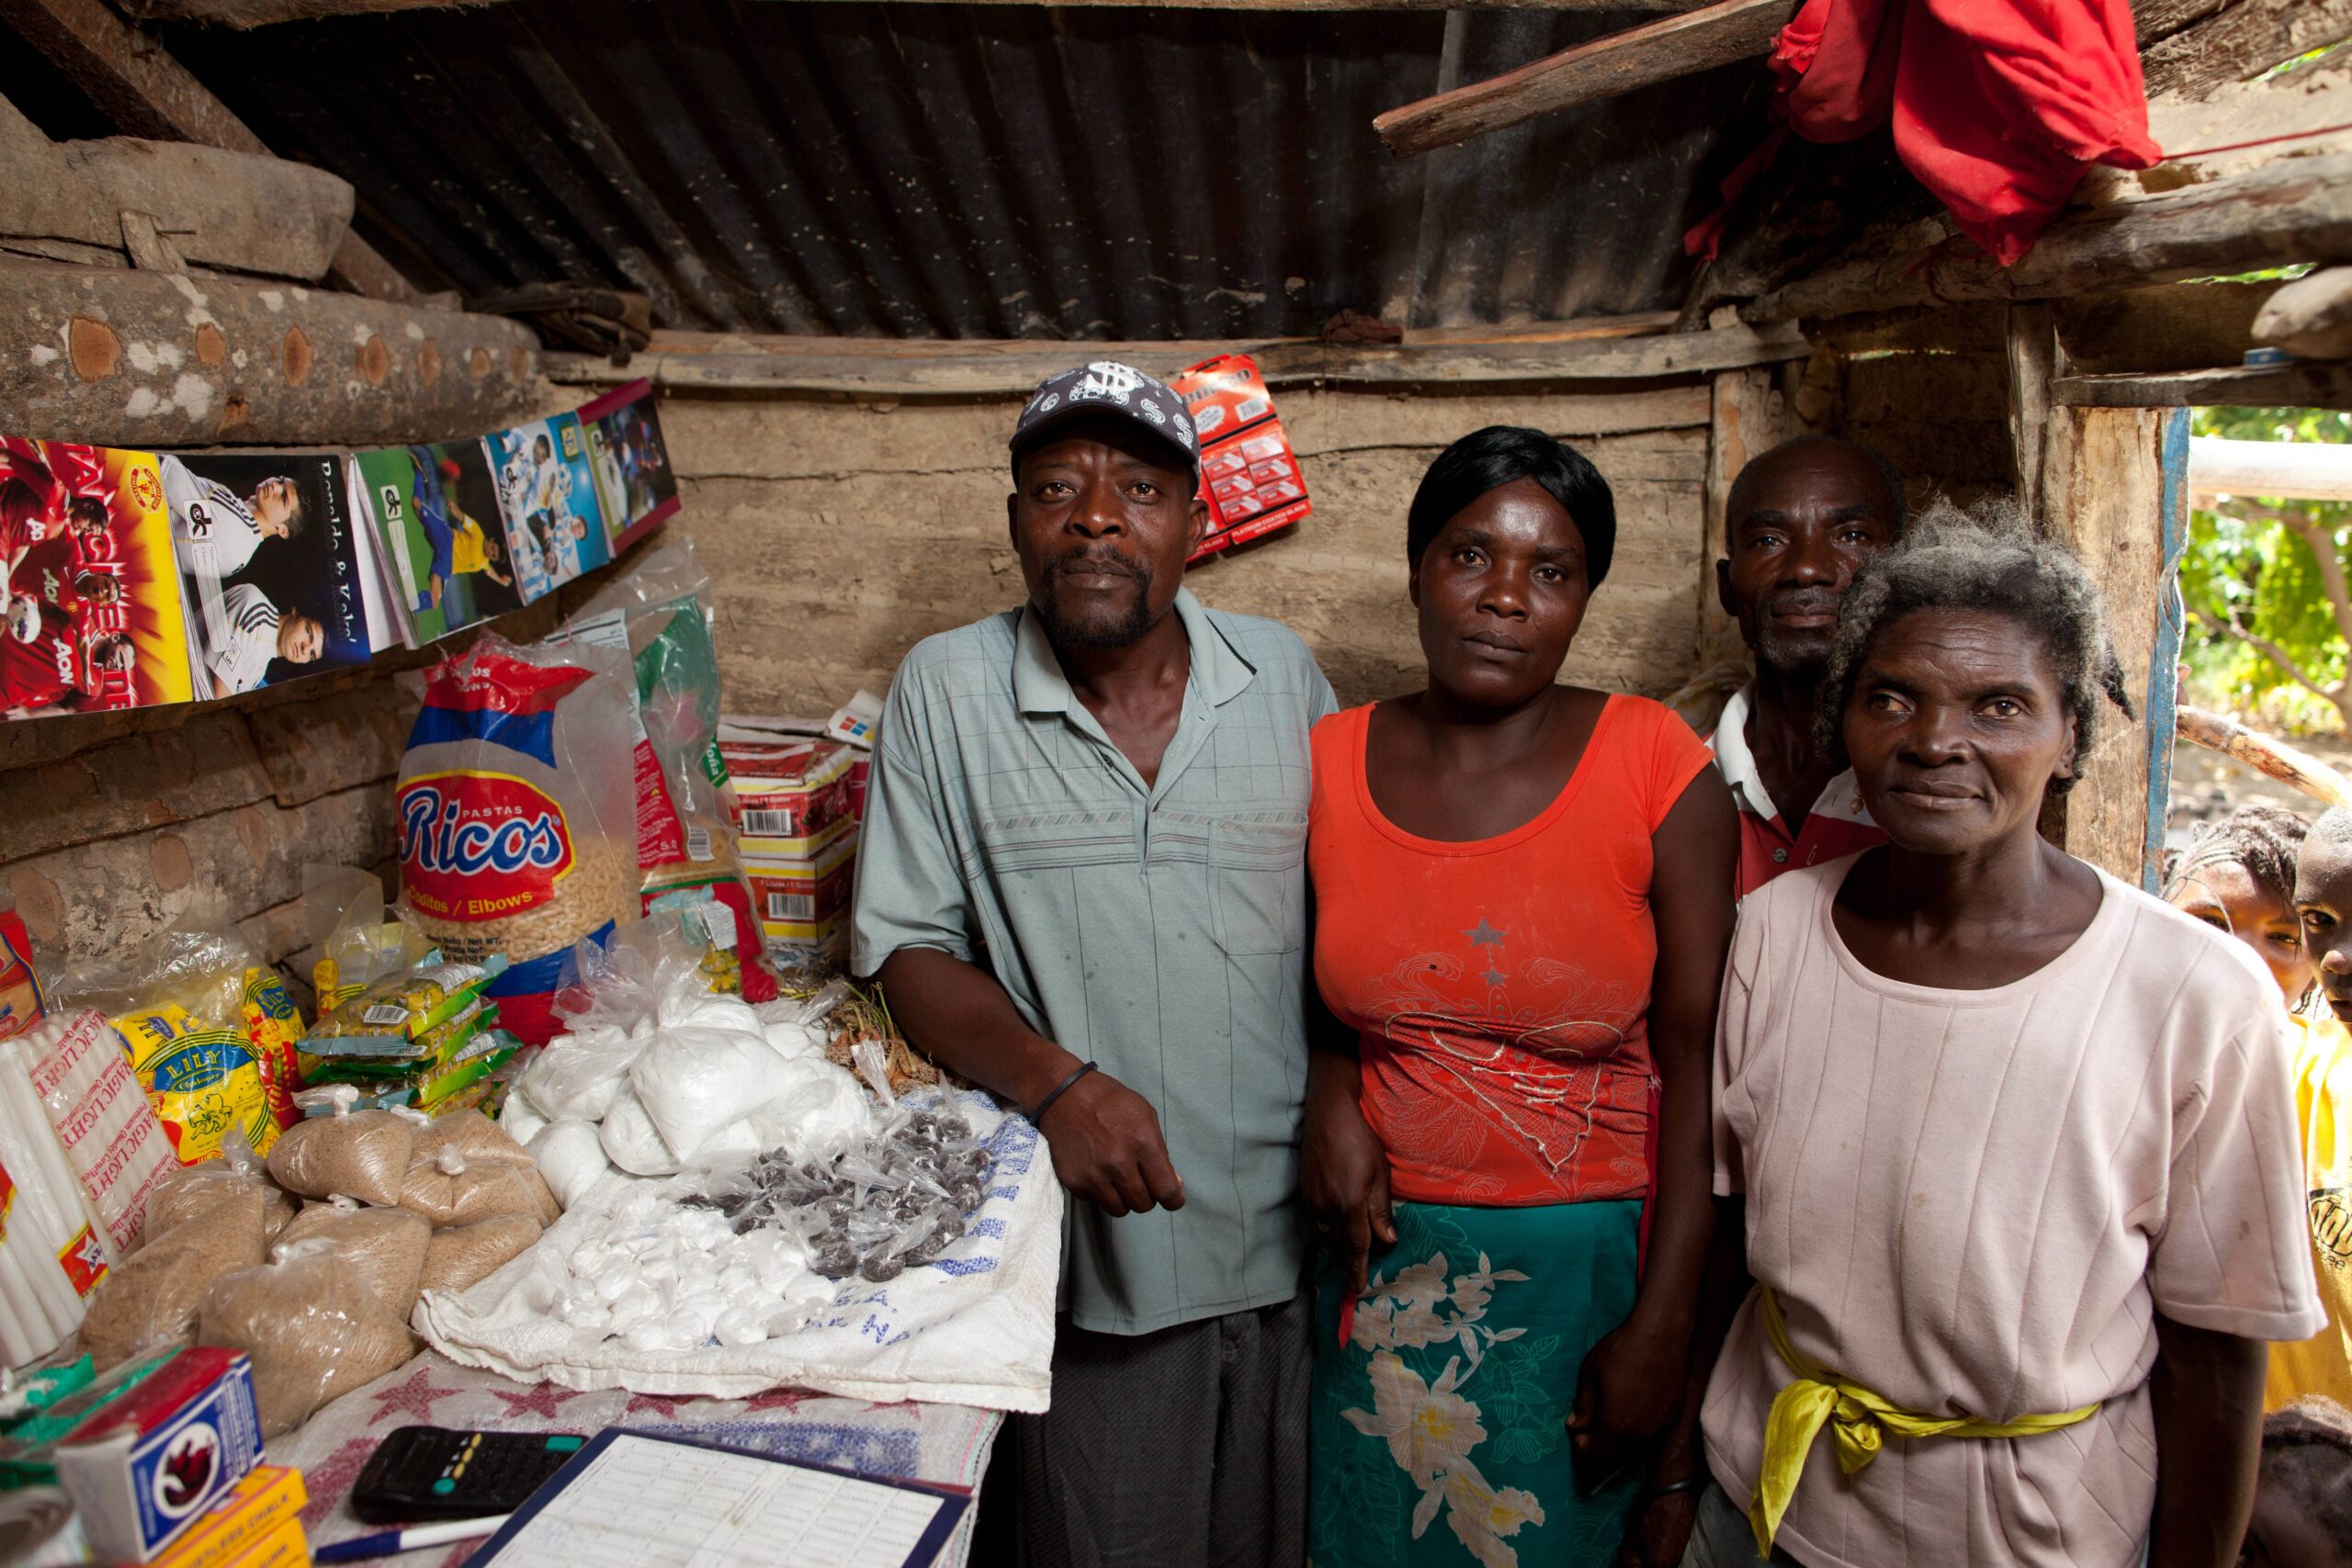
x,y
397,1016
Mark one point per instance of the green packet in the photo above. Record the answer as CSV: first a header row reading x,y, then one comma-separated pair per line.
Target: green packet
x,y
429,1089
397,1016
28,1448
330,1060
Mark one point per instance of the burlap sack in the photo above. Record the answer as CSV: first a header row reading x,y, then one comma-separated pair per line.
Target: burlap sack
x,y
313,1329
151,1298
386,1247
464,1256
361,1155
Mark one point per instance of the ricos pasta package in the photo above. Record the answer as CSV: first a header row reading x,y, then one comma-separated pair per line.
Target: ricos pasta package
x,y
517,813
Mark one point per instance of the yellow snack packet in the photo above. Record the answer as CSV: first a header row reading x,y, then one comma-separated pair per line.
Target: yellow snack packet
x,y
201,1080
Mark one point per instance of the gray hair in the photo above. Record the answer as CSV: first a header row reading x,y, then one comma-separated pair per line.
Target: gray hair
x,y
1984,560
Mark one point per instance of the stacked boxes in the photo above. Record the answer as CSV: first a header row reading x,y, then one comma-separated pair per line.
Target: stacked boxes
x,y
798,834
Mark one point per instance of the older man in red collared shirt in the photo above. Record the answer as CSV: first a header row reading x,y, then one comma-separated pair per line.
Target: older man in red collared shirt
x,y
1800,521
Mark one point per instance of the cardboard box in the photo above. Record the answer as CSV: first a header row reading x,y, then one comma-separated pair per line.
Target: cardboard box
x,y
1246,465
144,1467
246,1527
800,899
803,849
285,1547
787,790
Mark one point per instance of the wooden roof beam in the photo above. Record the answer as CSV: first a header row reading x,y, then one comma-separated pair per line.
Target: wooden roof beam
x,y
1657,51
2291,209
147,93
969,368
244,14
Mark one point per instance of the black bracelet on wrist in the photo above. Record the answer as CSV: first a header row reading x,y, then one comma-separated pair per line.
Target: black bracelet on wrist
x,y
1668,1488
1038,1115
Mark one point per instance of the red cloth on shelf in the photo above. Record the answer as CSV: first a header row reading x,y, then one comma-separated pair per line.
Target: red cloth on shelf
x,y
1997,105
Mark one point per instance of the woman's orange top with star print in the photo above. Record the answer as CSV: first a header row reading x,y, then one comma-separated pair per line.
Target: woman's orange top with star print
x,y
1499,987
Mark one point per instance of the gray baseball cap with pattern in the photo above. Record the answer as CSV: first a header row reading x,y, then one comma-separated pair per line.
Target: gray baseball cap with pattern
x,y
1108,387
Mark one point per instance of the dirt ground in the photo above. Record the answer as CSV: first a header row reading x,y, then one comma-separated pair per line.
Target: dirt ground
x,y
2205,784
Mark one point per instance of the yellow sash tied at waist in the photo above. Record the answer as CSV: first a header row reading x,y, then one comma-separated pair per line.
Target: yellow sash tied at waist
x,y
1861,1419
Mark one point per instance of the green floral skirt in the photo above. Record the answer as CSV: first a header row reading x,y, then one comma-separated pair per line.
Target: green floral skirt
x,y
1440,1433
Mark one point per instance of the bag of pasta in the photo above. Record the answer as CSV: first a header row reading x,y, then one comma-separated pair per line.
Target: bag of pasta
x,y
517,816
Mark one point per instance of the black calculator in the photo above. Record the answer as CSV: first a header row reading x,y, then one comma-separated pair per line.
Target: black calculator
x,y
431,1473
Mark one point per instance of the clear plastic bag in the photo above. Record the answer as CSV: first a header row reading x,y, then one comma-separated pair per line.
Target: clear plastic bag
x,y
897,1199
572,1159
310,1324
361,939
180,1006
151,1298
463,1256
363,1155
385,1247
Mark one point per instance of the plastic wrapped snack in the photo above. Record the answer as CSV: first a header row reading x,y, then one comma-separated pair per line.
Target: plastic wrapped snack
x,y
363,1155
151,1298
312,1326
516,815
464,1256
203,1019
203,1079
385,1247
399,1016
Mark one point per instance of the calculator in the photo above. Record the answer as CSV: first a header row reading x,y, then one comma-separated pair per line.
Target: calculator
x,y
431,1473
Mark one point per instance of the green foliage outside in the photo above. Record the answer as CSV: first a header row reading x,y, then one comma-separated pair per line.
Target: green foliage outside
x,y
2250,564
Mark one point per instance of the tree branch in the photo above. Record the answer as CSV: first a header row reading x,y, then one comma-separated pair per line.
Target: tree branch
x,y
2322,544
2341,695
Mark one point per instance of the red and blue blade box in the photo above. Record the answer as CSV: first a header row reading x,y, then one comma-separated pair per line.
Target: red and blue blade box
x,y
1246,465
146,1464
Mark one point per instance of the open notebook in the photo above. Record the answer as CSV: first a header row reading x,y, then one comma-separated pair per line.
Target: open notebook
x,y
630,1500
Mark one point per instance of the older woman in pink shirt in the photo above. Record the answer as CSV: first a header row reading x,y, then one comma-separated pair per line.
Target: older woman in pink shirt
x,y
2021,1196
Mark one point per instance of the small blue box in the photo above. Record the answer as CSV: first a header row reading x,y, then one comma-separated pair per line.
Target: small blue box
x,y
148,1464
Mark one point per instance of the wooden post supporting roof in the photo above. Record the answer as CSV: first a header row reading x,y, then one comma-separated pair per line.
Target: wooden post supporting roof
x,y
147,93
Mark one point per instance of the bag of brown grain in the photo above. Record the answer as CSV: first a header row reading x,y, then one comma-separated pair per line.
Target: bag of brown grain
x,y
151,1298
464,1256
363,1155
517,815
386,1247
313,1327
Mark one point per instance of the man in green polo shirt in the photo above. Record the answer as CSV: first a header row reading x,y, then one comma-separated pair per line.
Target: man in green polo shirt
x,y
1082,885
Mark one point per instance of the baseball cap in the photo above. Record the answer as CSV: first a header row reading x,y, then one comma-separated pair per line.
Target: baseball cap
x,y
1108,387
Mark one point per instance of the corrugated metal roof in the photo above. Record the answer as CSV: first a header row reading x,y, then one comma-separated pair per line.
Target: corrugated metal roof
x,y
986,171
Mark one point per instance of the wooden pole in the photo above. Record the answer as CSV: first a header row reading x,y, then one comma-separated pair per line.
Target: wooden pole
x,y
2271,757
147,93
1657,52
2295,471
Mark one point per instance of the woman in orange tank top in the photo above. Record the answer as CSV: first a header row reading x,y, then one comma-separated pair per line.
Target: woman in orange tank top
x,y
1524,902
